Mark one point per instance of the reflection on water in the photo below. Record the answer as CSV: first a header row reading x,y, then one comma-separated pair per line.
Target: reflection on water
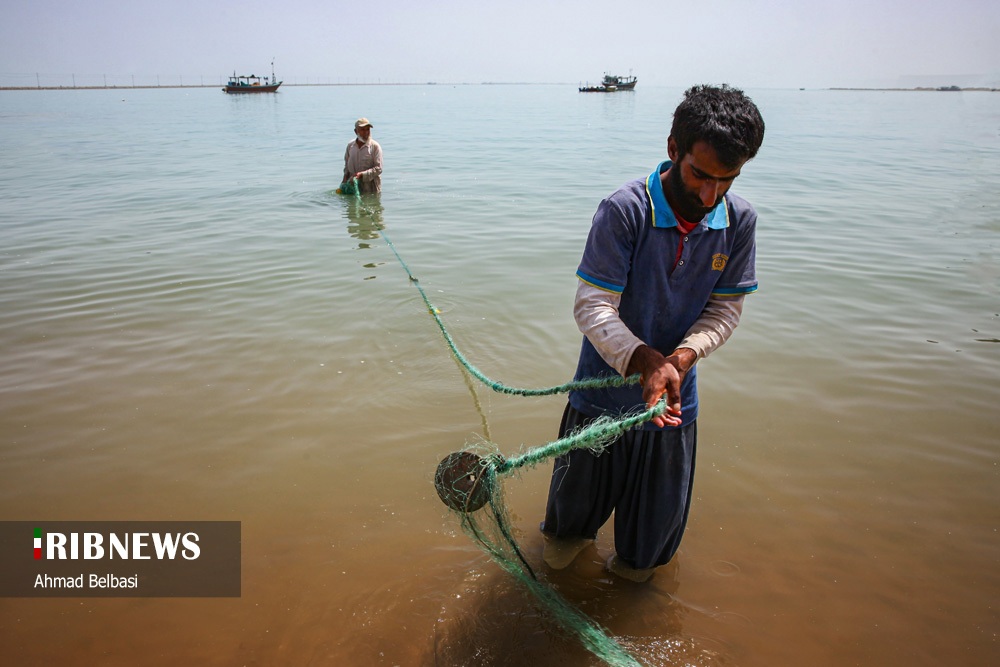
x,y
364,217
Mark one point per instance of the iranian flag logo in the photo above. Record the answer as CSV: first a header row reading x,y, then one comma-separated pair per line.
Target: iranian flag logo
x,y
38,543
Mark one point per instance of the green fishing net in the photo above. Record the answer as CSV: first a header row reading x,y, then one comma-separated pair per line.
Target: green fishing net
x,y
349,187
470,483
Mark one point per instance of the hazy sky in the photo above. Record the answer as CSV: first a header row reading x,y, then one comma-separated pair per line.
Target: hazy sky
x,y
770,43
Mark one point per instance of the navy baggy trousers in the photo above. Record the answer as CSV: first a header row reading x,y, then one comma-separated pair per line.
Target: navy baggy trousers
x,y
645,477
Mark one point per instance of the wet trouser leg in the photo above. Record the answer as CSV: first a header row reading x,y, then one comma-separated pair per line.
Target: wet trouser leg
x,y
644,477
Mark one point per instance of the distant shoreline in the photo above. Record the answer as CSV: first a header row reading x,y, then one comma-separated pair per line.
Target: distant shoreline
x,y
940,89
945,89
283,85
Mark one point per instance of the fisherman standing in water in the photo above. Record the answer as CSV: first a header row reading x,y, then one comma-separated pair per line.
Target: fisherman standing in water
x,y
363,159
662,280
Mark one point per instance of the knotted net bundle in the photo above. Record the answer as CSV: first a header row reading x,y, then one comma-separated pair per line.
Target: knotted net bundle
x,y
349,187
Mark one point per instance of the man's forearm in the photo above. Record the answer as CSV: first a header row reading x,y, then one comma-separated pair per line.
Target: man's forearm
x,y
596,314
714,326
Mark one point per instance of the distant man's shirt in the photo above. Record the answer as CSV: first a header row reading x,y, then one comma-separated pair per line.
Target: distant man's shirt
x,y
366,159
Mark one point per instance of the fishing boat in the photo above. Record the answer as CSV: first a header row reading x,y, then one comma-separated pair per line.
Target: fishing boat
x,y
253,83
611,83
620,82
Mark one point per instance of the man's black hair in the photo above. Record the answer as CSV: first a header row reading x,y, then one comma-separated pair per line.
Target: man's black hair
x,y
722,116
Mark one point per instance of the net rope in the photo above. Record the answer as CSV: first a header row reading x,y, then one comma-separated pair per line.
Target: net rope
x,y
470,483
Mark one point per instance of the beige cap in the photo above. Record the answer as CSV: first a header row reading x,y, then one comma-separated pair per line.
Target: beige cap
x,y
362,122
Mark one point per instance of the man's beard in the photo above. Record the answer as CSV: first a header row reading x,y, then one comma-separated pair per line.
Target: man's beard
x,y
686,204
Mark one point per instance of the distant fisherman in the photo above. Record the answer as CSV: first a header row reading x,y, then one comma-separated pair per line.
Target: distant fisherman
x,y
363,159
662,280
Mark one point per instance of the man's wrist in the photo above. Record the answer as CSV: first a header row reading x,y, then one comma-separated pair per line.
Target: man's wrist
x,y
686,358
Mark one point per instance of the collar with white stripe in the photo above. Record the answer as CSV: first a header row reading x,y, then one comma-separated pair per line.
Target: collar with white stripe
x,y
663,216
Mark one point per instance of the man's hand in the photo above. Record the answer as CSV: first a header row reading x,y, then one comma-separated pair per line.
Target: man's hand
x,y
662,375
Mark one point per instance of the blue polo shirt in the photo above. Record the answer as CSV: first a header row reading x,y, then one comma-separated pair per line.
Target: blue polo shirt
x,y
631,251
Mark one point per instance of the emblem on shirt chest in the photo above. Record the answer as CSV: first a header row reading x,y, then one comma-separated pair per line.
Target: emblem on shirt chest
x,y
719,261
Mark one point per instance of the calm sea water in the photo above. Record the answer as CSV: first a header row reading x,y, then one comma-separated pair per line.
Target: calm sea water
x,y
195,327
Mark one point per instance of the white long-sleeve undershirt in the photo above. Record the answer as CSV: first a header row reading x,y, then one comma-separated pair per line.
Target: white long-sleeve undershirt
x,y
596,314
